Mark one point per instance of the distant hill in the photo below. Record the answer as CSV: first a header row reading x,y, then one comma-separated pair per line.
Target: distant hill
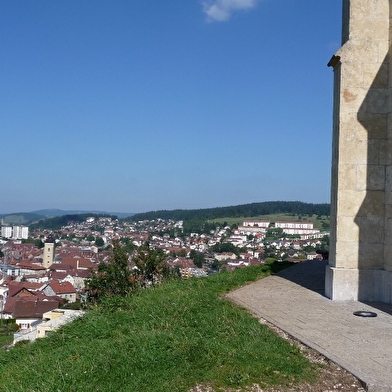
x,y
28,218
243,210
20,218
57,222
51,213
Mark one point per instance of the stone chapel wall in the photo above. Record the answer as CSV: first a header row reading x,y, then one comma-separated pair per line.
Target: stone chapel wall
x,y
361,191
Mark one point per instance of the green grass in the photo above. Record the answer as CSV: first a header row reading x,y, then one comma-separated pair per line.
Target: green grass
x,y
6,339
169,338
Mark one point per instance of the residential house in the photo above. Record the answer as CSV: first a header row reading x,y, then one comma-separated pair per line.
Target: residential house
x,y
28,268
29,312
64,290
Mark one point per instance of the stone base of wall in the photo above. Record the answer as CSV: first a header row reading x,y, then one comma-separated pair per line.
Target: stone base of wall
x,y
342,284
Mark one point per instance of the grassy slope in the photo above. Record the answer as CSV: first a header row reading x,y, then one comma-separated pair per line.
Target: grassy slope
x,y
170,338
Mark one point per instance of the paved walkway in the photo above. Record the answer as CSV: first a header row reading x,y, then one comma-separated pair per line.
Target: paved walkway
x,y
294,301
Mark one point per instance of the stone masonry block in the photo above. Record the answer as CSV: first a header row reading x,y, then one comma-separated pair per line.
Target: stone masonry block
x,y
349,203
388,183
352,152
371,125
378,79
388,258
347,230
346,254
377,101
385,153
370,256
388,232
353,97
348,175
376,177
374,151
371,230
367,10
373,204
361,179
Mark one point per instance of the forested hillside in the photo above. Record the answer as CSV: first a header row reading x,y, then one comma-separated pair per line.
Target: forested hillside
x,y
243,210
199,215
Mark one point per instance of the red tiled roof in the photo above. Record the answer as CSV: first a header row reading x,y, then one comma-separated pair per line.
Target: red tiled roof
x,y
16,287
31,266
77,263
83,273
33,309
58,275
9,305
62,287
59,267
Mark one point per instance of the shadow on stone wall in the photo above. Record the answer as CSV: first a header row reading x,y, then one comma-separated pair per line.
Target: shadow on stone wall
x,y
371,217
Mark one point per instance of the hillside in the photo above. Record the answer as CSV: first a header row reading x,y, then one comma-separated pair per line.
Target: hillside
x,y
55,218
57,222
171,338
28,218
20,218
243,211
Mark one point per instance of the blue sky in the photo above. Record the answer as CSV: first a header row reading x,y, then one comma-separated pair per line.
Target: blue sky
x,y
133,106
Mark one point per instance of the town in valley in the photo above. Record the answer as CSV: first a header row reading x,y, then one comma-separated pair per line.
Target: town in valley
x,y
44,271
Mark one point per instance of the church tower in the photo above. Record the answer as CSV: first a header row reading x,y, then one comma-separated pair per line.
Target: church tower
x,y
360,262
49,247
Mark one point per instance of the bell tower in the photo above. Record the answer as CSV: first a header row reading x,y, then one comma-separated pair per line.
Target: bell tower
x,y
49,247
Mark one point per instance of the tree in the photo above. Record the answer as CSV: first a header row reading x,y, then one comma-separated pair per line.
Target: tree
x,y
113,277
99,241
127,244
90,238
197,257
150,265
39,244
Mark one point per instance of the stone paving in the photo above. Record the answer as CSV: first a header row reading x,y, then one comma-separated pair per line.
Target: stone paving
x,y
294,301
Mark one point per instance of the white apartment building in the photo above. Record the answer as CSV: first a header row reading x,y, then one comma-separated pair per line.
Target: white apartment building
x,y
15,232
297,227
20,232
256,223
6,231
253,227
260,227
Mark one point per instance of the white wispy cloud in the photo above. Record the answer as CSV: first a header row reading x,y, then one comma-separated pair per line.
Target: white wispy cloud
x,y
221,10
